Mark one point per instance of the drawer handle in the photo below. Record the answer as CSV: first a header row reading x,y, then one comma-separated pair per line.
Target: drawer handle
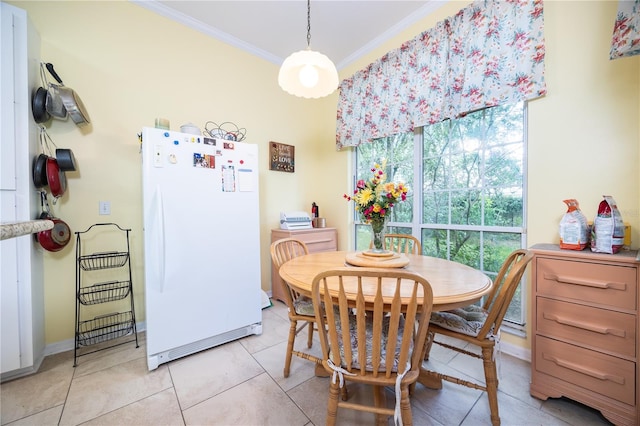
x,y
595,284
595,374
584,326
326,240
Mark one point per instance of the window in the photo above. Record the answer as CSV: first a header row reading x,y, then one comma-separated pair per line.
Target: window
x,y
467,181
398,150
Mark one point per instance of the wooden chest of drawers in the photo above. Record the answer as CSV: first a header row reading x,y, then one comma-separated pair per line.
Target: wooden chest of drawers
x,y
585,343
316,239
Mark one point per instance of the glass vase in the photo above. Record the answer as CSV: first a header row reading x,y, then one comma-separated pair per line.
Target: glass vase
x,y
378,231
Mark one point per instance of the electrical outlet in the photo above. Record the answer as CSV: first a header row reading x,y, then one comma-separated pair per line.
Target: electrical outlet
x,y
105,207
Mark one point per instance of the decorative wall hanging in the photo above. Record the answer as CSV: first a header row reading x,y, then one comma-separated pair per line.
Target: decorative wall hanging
x,y
282,157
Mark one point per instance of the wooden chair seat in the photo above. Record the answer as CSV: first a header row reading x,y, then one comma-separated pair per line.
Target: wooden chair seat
x,y
303,305
468,320
370,336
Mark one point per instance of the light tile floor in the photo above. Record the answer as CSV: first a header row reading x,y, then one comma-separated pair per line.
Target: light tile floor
x,y
241,383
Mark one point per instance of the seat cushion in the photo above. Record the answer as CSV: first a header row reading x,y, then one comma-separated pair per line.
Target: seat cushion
x,y
468,320
304,306
369,337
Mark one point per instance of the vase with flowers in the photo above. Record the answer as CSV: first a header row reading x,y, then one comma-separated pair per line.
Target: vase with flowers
x,y
374,199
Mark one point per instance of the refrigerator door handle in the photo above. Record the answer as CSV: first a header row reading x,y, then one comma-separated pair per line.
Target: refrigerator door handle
x,y
160,213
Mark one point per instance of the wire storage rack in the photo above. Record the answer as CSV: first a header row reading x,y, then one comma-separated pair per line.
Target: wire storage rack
x,y
110,325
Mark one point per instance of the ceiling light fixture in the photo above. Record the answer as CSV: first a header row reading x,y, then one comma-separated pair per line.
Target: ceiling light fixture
x,y
307,73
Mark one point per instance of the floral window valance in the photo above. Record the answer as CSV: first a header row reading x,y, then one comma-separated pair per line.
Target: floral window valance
x,y
626,31
489,53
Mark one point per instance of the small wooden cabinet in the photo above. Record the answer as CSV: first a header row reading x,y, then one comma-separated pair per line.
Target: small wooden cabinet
x,y
585,325
316,239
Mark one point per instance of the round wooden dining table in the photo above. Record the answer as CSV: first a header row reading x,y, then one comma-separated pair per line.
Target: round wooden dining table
x,y
453,284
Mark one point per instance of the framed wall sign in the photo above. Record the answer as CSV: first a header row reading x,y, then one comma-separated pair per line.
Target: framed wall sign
x,y
282,157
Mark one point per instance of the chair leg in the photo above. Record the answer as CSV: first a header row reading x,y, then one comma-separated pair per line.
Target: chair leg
x,y
292,339
405,407
430,336
380,402
491,379
332,405
310,340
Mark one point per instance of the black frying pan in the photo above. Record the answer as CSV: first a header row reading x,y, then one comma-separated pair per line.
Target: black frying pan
x,y
39,105
40,171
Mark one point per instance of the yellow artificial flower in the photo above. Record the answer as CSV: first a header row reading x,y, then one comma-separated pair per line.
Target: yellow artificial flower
x,y
365,196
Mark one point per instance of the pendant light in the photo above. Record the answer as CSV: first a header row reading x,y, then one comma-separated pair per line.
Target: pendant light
x,y
307,73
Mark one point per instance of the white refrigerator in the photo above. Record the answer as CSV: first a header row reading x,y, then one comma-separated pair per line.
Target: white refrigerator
x,y
201,243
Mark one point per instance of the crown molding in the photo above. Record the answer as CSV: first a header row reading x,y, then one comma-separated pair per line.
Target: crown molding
x,y
190,22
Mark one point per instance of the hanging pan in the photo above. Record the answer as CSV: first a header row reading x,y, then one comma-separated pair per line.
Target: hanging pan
x,y
39,105
72,102
40,163
66,160
56,178
58,237
55,106
40,171
46,103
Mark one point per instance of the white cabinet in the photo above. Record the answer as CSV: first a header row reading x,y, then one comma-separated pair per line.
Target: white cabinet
x,y
22,310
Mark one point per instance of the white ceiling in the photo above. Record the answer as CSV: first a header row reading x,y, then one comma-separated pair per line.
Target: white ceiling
x,y
342,30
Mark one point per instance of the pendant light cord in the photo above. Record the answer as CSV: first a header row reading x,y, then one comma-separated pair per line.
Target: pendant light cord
x,y
308,23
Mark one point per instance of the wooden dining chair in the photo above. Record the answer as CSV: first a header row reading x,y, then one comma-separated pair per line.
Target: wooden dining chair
x,y
300,307
401,243
480,326
366,319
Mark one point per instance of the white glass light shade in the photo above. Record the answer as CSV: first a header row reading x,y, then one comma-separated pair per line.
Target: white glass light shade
x,y
296,78
308,76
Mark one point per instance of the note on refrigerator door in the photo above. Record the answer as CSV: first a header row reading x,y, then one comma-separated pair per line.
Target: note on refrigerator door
x,y
228,178
245,180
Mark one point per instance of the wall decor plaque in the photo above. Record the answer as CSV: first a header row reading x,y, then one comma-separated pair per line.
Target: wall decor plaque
x,y
282,157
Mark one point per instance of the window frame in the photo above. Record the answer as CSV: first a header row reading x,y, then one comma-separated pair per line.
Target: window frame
x,y
416,226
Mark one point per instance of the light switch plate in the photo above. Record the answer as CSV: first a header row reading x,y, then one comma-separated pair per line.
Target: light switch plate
x,y
105,208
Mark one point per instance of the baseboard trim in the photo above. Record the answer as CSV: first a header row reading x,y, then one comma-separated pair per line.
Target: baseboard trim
x,y
515,351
